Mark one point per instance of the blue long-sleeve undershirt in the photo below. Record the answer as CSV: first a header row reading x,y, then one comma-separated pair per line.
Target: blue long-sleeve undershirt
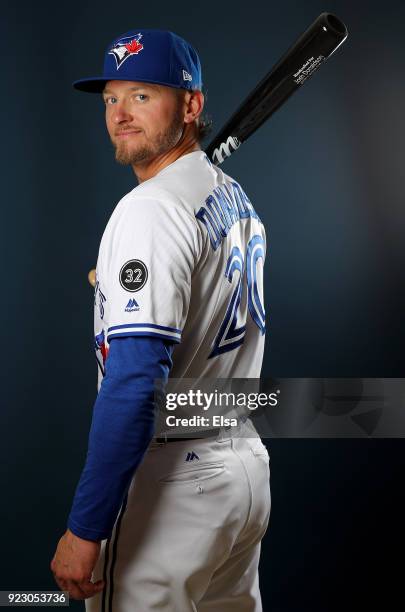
x,y
121,430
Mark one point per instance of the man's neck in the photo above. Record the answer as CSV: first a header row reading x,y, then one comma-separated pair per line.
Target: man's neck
x,y
147,170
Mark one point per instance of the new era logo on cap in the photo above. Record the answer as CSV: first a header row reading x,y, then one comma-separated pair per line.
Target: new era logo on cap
x,y
187,76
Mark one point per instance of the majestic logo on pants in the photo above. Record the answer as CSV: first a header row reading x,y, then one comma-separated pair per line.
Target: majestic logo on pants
x,y
191,456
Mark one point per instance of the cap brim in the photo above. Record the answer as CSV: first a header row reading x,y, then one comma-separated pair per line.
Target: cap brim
x,y
91,85
97,84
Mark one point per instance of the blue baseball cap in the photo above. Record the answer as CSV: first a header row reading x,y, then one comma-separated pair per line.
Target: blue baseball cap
x,y
150,56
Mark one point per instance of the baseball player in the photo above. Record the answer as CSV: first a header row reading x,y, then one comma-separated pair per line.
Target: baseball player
x,y
160,523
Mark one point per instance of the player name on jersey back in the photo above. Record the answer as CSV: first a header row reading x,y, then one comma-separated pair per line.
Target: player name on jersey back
x,y
225,206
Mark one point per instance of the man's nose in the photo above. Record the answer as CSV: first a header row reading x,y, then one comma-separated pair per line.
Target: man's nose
x,y
121,113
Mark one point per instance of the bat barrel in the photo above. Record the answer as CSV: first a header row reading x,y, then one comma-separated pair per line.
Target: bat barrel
x,y
334,23
296,66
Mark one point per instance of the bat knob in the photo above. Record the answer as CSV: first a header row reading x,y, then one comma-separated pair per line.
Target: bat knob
x,y
92,277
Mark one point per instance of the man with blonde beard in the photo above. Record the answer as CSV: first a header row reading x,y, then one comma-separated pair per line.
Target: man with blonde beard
x,y
159,522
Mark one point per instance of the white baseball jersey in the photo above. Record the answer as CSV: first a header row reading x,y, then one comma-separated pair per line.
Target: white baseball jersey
x,y
182,258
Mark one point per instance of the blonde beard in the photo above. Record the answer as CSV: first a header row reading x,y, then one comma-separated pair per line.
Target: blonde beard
x,y
163,142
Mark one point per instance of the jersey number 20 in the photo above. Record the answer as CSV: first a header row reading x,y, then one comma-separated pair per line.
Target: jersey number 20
x,y
230,336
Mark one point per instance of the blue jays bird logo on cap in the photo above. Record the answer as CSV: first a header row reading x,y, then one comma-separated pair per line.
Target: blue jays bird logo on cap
x,y
125,47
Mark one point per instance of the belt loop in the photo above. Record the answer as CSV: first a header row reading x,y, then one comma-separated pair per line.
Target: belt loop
x,y
162,439
225,433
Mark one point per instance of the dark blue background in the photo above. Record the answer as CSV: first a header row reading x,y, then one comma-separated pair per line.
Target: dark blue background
x,y
326,176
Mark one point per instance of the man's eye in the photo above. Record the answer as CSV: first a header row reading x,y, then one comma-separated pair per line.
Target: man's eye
x,y
143,97
110,100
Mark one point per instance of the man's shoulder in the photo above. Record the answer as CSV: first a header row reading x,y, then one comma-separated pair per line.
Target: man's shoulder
x,y
148,207
159,198
183,183
154,191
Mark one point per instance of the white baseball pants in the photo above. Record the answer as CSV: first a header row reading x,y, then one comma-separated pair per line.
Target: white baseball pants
x,y
188,534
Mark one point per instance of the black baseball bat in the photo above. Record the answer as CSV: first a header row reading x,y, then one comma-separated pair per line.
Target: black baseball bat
x,y
300,62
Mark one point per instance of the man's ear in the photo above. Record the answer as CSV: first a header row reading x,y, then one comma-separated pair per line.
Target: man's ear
x,y
195,105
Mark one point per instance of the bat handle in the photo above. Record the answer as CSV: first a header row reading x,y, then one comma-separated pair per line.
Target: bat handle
x,y
91,277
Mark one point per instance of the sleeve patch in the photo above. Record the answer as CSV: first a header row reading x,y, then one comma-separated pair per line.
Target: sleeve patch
x,y
133,275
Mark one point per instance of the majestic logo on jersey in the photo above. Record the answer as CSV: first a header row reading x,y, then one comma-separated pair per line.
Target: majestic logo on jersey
x,y
133,275
191,456
126,47
132,306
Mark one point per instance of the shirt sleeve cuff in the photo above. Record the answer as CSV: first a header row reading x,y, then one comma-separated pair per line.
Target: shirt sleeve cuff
x,y
86,533
144,329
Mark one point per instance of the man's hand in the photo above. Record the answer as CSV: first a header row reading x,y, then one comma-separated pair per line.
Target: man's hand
x,y
73,564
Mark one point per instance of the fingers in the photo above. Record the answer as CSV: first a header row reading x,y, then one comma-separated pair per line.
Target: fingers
x,y
79,590
75,592
88,588
61,583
